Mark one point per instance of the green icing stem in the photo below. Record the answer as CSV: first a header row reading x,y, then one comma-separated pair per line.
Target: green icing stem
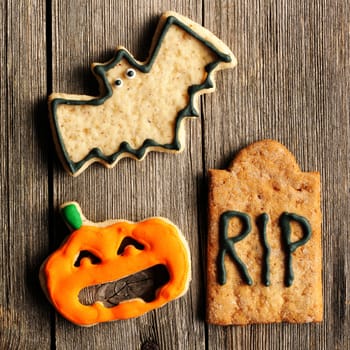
x,y
100,70
289,246
72,216
227,245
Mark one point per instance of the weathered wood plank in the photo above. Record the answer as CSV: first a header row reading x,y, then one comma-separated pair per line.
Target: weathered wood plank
x,y
291,84
161,185
4,309
24,320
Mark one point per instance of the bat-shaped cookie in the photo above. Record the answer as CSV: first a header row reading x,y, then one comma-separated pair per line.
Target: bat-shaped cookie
x,y
141,104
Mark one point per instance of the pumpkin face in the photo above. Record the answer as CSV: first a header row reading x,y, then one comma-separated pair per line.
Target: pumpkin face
x,y
97,254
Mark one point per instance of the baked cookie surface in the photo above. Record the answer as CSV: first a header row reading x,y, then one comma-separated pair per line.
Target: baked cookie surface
x,y
264,259
142,105
115,269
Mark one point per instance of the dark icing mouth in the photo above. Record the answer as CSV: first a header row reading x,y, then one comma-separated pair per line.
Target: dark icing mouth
x,y
142,285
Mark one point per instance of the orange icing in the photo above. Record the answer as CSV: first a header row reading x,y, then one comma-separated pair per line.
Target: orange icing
x,y
162,245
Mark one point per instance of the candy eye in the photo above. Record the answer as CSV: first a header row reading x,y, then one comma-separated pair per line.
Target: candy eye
x,y
119,82
130,73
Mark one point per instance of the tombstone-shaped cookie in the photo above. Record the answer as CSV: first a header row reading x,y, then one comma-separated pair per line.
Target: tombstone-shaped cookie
x,y
142,105
264,244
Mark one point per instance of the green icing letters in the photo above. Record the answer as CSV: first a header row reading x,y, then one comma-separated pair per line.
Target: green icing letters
x,y
227,245
290,247
262,223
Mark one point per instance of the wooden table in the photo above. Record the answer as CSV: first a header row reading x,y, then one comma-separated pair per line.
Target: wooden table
x,y
291,84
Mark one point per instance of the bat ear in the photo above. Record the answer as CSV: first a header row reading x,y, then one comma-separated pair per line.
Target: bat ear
x,y
72,215
203,35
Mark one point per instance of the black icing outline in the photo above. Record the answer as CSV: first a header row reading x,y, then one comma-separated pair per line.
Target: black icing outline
x,y
99,70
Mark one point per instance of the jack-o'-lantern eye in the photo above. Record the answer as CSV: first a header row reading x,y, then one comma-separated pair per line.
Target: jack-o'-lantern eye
x,y
128,241
85,254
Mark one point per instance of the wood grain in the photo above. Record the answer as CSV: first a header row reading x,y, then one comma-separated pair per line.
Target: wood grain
x,y
24,180
155,187
292,84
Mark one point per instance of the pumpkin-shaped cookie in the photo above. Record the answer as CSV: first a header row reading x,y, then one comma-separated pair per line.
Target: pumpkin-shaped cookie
x,y
116,269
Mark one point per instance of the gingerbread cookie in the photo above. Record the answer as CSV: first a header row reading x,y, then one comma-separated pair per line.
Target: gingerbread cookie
x,y
115,269
142,105
264,240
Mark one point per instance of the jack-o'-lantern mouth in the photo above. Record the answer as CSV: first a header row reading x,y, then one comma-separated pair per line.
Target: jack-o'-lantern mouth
x,y
141,285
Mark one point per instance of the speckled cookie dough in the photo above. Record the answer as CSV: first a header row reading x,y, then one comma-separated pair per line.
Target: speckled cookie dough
x,y
141,105
264,240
